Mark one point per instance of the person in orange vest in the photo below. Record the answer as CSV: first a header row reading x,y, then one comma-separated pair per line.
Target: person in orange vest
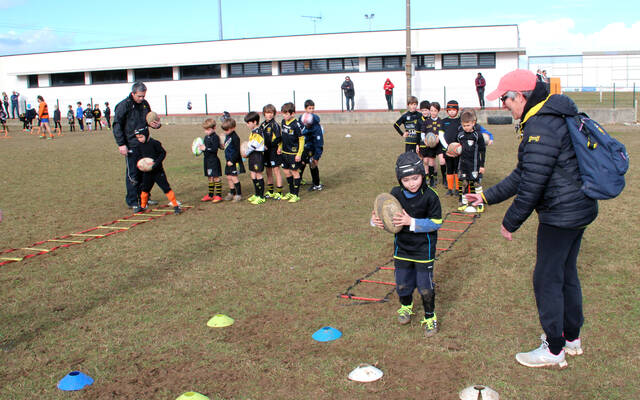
x,y
43,115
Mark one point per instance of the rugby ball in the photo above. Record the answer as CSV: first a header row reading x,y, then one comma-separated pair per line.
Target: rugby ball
x,y
431,140
454,149
195,146
145,164
244,147
152,116
307,119
487,139
386,206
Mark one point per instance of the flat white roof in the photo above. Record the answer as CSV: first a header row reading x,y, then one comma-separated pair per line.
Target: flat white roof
x,y
473,39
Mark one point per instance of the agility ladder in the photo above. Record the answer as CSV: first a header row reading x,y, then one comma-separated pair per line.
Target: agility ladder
x,y
456,223
97,232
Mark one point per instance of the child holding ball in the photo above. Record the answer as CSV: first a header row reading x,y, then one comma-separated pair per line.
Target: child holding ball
x,y
212,169
415,244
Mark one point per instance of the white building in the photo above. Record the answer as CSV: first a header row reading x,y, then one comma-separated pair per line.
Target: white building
x,y
592,71
237,75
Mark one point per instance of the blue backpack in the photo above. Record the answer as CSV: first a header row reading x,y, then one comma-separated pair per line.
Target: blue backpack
x,y
602,160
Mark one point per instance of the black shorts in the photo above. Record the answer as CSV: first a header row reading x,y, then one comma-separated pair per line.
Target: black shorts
x,y
256,161
430,152
307,155
273,160
410,147
451,163
289,162
235,170
212,167
151,177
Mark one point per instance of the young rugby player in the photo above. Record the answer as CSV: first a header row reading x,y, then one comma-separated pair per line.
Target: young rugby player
x,y
234,166
272,159
415,244
212,169
471,160
410,121
255,154
313,145
291,150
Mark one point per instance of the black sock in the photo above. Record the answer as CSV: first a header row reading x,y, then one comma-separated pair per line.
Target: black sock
x,y
571,335
432,170
211,185
429,303
406,300
270,187
279,189
290,182
232,191
296,185
302,168
443,170
255,186
260,186
238,188
315,176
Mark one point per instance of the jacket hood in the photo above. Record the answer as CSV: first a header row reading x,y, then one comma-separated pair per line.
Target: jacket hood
x,y
559,105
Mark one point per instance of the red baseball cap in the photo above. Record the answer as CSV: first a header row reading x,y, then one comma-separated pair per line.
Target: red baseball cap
x,y
519,80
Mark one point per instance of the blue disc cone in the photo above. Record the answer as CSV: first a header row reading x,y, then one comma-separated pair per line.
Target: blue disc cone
x,y
75,380
326,334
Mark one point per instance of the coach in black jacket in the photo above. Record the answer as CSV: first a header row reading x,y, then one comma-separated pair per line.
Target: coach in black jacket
x,y
130,118
563,210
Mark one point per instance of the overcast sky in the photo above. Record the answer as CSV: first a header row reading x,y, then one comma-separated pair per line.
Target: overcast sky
x,y
31,26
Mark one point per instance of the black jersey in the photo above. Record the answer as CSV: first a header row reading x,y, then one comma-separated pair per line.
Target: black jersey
x,y
473,151
271,132
292,138
211,146
232,147
414,246
410,121
429,125
450,127
153,149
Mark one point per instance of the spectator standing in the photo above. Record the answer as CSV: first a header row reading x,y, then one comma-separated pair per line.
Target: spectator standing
x,y
349,92
480,84
107,114
15,109
388,93
5,101
80,116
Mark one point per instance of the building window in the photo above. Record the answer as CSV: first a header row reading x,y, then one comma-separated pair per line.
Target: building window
x,y
67,79
113,76
469,60
426,62
153,74
250,69
388,63
32,81
319,66
200,71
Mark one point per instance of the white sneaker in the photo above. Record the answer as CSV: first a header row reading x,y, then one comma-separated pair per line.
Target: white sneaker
x,y
571,348
542,357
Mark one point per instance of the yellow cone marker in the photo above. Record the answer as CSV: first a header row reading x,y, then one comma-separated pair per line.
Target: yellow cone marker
x,y
192,396
220,321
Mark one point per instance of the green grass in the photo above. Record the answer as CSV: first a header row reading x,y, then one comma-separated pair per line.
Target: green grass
x,y
594,100
131,310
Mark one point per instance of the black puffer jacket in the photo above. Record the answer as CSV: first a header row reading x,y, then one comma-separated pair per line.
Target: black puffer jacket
x,y
536,181
130,117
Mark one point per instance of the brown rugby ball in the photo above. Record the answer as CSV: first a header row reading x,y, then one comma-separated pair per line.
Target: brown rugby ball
x,y
386,206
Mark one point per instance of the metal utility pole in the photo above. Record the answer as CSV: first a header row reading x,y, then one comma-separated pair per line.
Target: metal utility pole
x,y
407,63
314,19
220,19
369,17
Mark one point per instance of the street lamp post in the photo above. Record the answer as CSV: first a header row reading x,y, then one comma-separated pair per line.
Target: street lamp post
x,y
369,17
